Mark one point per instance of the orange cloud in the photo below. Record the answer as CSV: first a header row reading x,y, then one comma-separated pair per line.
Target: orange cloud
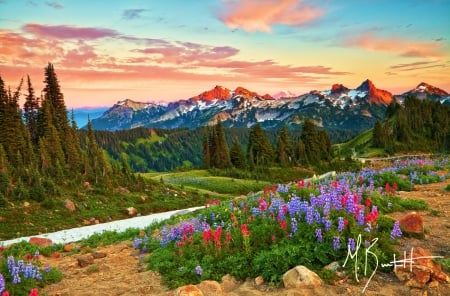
x,y
399,46
260,15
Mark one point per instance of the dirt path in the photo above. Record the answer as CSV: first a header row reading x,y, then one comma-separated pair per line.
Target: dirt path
x,y
121,273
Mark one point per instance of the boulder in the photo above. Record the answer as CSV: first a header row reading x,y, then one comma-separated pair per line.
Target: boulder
x,y
188,290
412,223
98,255
301,277
420,270
210,288
40,241
85,260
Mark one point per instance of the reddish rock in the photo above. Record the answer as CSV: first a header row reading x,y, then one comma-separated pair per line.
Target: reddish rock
x,y
375,95
188,290
68,248
70,205
98,255
420,270
210,288
40,241
412,223
85,260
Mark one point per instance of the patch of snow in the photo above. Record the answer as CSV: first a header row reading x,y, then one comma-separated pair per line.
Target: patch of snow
x,y
80,233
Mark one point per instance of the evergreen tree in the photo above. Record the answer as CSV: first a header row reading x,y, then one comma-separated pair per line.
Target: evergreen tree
x,y
284,150
30,109
237,156
259,149
378,135
221,156
310,138
206,150
97,163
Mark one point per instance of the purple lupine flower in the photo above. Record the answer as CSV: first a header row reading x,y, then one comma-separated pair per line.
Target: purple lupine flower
x,y
15,275
2,283
28,273
352,244
11,263
350,206
309,215
327,225
137,243
294,226
47,268
319,234
198,270
396,231
360,219
368,227
336,243
341,224
294,206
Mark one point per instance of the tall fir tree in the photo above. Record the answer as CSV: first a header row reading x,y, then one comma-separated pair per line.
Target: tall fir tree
x,y
284,152
237,156
259,150
30,109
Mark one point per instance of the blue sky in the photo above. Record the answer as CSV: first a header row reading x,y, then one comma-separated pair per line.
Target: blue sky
x,y
105,51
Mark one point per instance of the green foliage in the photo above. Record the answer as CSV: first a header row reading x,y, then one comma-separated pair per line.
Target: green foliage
x,y
109,237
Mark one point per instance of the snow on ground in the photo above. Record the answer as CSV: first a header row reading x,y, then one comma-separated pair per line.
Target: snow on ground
x,y
80,233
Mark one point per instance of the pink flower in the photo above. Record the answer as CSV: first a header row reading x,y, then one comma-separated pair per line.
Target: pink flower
x,y
34,292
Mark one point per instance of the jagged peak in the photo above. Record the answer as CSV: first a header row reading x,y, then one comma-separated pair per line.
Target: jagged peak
x,y
430,89
367,85
218,92
338,88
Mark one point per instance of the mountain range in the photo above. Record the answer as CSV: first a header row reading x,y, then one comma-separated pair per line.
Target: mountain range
x,y
338,109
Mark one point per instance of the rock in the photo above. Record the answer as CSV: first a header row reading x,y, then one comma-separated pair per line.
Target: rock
x,y
300,277
98,255
420,270
333,266
412,223
132,211
26,204
259,281
68,247
85,260
210,288
40,241
70,205
229,283
188,290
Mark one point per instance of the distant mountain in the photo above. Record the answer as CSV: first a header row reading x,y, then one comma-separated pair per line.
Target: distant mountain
x,y
284,94
339,109
426,91
82,114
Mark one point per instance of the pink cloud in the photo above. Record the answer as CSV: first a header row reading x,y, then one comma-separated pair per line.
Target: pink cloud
x,y
68,32
260,15
399,46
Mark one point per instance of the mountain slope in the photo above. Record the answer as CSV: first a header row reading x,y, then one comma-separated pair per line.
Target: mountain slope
x,y
338,108
426,91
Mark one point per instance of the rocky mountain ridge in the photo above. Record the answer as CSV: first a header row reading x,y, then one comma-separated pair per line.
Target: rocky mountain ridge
x,y
339,108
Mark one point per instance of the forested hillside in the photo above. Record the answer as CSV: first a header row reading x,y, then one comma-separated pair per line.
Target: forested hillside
x,y
41,150
417,125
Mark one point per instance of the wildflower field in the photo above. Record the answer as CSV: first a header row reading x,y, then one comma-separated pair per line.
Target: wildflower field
x,y
311,223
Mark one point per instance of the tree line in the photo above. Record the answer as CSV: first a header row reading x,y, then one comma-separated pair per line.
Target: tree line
x,y
311,148
40,145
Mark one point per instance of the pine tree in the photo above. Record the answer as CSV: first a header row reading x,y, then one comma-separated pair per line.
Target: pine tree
x,y
30,109
221,156
378,135
284,151
206,150
310,138
96,158
237,156
259,149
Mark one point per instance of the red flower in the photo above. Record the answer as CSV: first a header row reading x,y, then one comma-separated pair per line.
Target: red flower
x,y
283,224
6,293
368,202
244,229
28,256
300,184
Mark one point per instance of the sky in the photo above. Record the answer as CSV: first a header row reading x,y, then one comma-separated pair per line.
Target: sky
x,y
166,50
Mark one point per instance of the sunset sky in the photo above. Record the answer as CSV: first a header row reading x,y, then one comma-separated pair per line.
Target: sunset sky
x,y
105,51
